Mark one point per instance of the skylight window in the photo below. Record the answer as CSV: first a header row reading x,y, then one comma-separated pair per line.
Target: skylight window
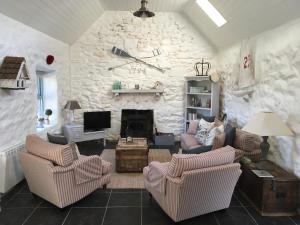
x,y
212,12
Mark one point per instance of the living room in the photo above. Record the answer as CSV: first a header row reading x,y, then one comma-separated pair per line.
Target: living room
x,y
112,112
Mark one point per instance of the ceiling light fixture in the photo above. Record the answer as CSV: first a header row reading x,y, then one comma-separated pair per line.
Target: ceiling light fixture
x,y
143,12
212,12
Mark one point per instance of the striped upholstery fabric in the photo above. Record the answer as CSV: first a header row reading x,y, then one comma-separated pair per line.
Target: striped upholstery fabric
x,y
182,162
59,184
87,169
246,141
196,192
219,141
59,154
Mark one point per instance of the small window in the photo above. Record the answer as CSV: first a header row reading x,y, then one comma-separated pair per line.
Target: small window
x,y
46,99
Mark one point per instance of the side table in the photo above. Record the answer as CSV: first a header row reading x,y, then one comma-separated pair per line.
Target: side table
x,y
271,196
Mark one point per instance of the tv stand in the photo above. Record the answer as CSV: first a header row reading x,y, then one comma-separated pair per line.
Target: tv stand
x,y
75,133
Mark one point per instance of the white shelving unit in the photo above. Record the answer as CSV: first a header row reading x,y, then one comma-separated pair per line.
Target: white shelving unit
x,y
203,102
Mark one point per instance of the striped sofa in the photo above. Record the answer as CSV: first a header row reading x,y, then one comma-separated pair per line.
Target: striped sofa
x,y
59,174
192,185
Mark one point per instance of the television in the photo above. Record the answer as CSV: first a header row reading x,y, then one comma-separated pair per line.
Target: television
x,y
96,121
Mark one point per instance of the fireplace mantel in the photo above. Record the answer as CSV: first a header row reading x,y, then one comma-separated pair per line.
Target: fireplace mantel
x,y
156,92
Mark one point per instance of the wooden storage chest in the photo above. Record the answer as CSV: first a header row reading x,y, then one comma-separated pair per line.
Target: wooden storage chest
x,y
277,196
131,156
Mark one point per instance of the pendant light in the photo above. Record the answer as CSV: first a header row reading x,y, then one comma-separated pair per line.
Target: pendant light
x,y
143,12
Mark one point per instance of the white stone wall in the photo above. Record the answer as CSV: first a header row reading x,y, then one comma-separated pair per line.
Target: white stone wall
x,y
181,46
278,74
18,108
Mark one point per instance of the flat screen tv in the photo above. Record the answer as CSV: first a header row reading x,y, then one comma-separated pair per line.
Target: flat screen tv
x,y
96,121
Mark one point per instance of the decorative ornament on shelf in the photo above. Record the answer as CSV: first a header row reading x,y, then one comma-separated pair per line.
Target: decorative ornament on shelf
x,y
50,59
123,54
143,12
157,85
205,67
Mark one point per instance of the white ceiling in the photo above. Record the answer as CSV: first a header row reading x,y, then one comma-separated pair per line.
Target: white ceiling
x,y
245,18
67,20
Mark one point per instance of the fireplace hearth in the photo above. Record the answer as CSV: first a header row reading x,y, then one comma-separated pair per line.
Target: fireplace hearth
x,y
137,123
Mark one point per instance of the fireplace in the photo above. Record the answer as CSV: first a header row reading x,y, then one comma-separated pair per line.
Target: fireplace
x,y
137,123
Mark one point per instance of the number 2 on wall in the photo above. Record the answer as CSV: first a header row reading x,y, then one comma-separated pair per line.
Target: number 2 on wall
x,y
247,61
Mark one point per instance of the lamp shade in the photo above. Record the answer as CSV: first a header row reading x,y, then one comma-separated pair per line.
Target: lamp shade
x,y
267,124
72,105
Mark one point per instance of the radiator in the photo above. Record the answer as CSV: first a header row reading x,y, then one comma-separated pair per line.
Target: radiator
x,y
10,168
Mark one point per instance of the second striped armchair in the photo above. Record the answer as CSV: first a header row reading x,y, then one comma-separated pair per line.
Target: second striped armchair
x,y
192,185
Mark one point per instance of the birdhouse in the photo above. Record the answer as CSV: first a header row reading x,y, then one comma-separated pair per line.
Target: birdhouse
x,y
14,73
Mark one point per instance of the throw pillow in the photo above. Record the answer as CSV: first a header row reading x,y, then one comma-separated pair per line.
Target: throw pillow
x,y
209,140
57,139
204,128
229,135
197,149
193,127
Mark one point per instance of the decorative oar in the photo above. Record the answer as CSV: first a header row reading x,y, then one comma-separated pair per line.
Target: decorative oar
x,y
120,52
155,52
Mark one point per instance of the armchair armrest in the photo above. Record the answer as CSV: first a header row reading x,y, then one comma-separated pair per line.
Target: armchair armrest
x,y
157,174
85,169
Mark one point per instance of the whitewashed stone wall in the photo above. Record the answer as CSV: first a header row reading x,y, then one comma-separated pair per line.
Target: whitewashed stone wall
x,y
278,74
18,108
181,46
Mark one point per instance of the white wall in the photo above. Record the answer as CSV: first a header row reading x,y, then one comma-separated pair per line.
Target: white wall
x,y
277,65
18,108
181,46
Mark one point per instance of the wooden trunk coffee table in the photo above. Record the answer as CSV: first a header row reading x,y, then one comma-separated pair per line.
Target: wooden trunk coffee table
x,y
131,156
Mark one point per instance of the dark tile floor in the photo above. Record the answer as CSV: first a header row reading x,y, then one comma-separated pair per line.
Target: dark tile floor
x,y
120,207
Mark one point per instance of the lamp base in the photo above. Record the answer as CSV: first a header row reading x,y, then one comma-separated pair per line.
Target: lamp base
x,y
265,146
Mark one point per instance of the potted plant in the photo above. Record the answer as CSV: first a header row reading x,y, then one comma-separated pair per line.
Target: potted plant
x,y
48,113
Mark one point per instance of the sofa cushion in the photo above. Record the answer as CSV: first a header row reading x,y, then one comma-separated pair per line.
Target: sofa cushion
x,y
219,141
61,155
188,140
245,141
183,162
230,133
193,127
204,128
209,140
198,149
57,139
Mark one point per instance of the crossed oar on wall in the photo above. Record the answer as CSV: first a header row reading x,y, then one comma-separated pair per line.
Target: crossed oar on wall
x,y
122,53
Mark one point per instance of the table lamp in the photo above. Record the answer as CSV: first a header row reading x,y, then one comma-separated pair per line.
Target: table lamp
x,y
72,105
267,124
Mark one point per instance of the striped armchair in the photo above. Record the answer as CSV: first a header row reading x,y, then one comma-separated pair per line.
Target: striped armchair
x,y
192,185
59,174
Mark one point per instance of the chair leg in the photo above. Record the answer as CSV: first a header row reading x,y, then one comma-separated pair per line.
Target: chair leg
x,y
104,187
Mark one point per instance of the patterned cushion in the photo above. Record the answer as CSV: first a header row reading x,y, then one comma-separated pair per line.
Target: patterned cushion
x,y
219,141
209,140
61,155
193,127
204,128
181,163
245,141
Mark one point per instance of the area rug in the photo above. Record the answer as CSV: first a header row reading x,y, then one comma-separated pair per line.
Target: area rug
x,y
132,180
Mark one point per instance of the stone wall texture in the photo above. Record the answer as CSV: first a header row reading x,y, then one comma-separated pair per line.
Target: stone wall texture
x,y
181,46
18,109
277,65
